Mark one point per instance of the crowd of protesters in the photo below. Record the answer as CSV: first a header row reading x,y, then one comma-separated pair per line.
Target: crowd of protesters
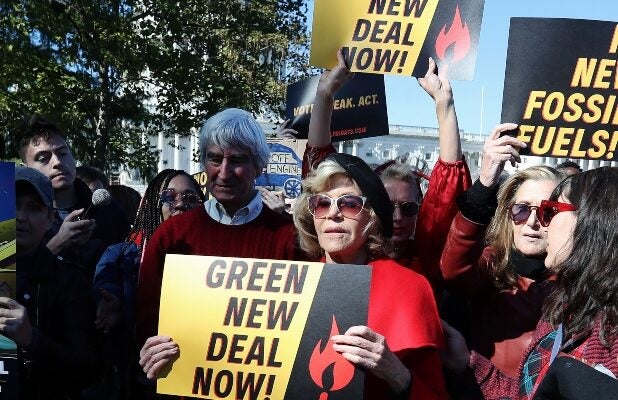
x,y
501,289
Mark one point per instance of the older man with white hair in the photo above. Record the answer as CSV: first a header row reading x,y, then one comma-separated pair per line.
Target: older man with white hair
x,y
233,223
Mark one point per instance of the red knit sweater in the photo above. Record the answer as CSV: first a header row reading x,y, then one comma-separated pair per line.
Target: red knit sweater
x,y
269,236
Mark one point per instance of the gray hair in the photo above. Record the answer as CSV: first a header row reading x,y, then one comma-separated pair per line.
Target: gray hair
x,y
237,129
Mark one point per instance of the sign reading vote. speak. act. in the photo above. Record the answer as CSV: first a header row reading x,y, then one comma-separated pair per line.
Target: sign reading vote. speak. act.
x,y
563,94
359,107
398,36
259,329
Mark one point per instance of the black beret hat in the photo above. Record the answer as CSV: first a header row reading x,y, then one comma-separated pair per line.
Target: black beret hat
x,y
372,187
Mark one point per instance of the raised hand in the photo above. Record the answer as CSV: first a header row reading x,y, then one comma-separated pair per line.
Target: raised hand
x,y
436,85
497,150
332,80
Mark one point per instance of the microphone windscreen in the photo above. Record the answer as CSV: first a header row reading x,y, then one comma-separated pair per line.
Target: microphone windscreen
x,y
101,197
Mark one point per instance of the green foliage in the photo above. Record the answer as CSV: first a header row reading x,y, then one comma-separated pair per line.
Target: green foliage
x,y
113,72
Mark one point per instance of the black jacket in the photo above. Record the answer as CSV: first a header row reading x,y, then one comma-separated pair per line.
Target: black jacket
x,y
62,358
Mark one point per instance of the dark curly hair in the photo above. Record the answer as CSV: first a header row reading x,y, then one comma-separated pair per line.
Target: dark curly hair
x,y
32,129
149,215
587,279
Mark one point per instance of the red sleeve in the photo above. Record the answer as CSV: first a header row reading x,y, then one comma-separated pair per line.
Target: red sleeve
x,y
314,155
447,181
493,383
402,309
149,286
409,322
464,259
427,377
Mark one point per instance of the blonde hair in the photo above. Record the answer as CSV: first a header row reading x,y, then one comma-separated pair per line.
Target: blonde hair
x,y
316,182
500,231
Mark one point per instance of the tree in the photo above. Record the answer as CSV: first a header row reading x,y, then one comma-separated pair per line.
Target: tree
x,y
115,72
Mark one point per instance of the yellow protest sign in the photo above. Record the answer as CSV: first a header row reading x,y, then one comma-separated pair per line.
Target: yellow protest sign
x,y
239,324
390,36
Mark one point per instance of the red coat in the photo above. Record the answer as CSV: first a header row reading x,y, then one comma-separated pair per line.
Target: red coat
x,y
503,321
447,181
402,309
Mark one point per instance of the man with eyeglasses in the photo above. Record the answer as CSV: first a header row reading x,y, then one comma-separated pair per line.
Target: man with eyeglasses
x,y
233,222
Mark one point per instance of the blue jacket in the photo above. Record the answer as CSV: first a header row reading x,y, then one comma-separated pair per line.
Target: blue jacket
x,y
116,272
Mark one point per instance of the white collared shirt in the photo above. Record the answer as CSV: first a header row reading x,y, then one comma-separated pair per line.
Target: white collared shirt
x,y
244,215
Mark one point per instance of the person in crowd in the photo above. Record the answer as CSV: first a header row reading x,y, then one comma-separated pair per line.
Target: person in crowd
x,y
582,314
344,216
496,261
128,199
233,223
171,192
569,167
419,232
42,146
93,177
397,348
52,318
580,319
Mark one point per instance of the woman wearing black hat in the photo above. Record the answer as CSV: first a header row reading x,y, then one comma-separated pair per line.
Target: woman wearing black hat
x,y
344,216
419,232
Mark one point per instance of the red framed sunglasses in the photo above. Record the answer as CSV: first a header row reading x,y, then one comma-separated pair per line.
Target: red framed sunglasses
x,y
549,209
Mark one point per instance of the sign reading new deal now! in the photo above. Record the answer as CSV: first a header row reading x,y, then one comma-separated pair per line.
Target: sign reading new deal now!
x,y
561,86
259,329
398,36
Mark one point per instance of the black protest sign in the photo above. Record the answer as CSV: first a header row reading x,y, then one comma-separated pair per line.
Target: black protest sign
x,y
359,110
560,86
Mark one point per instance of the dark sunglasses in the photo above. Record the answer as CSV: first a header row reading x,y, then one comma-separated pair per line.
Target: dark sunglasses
x,y
348,205
172,198
521,212
408,208
549,209
544,213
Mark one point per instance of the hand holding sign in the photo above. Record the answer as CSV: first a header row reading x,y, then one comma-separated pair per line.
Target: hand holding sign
x,y
436,85
497,151
333,80
156,354
368,349
330,82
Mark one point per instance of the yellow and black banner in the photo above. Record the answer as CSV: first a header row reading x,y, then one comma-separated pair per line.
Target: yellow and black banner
x,y
359,109
202,179
259,329
561,85
398,36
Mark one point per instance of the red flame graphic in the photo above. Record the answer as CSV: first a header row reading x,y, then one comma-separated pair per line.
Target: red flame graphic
x,y
343,370
458,36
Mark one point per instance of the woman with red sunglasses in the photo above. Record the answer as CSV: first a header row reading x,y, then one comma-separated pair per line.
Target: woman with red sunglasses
x,y
573,352
493,258
580,320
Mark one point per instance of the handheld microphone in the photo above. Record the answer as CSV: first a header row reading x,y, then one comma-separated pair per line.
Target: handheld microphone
x,y
100,197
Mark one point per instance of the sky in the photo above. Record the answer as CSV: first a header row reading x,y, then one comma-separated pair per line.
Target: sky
x,y
408,104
